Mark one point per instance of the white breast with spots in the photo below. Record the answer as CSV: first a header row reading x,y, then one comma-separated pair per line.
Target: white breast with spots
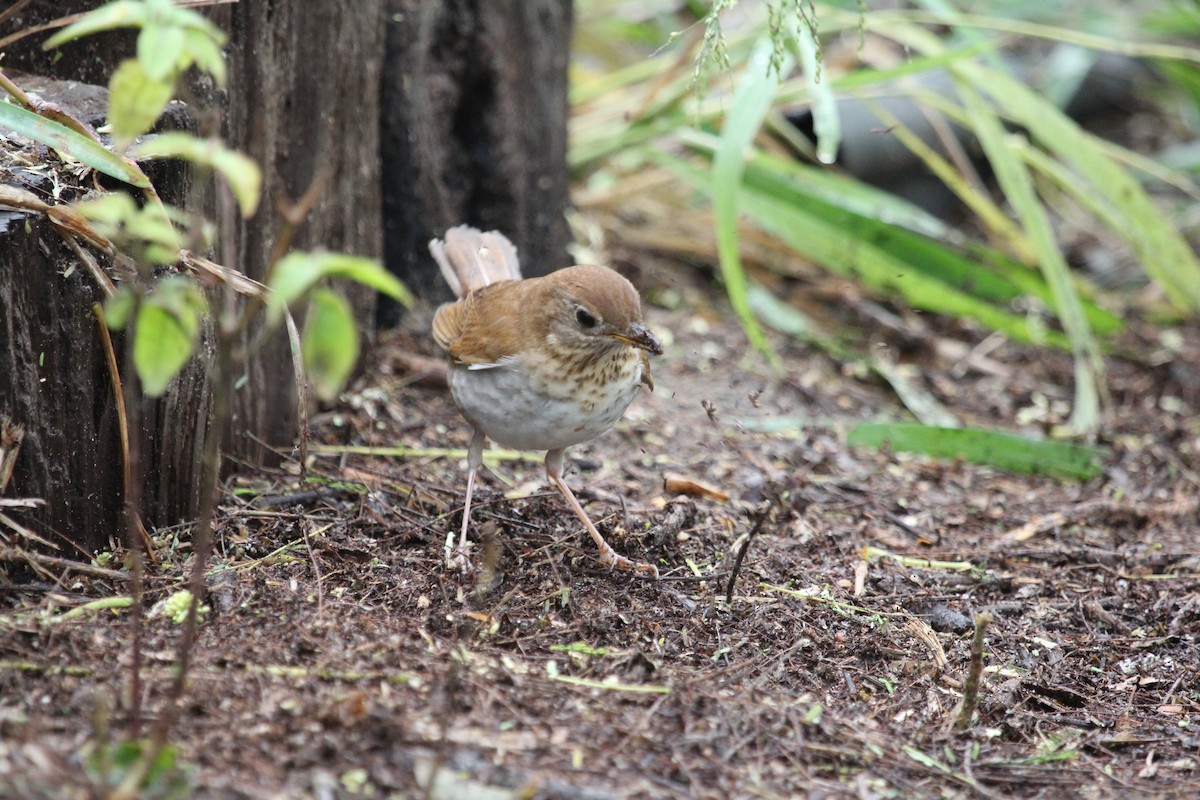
x,y
500,401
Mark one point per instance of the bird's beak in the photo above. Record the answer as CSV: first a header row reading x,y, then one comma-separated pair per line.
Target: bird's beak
x,y
639,335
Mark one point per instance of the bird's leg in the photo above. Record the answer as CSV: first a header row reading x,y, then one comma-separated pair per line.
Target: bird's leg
x,y
608,556
460,557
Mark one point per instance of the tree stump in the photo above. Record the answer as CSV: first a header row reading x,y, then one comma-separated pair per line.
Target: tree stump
x,y
55,381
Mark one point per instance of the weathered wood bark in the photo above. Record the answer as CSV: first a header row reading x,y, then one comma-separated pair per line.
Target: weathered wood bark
x,y
475,129
52,373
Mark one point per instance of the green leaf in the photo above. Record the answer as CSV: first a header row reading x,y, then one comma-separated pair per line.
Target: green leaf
x,y
152,224
243,176
70,144
1002,450
160,51
174,144
135,101
193,21
118,308
168,326
117,217
121,14
298,272
182,297
161,347
205,53
110,210
293,275
160,11
152,227
240,171
367,272
330,343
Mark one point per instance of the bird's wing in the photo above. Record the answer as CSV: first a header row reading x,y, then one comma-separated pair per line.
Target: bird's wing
x,y
448,323
484,329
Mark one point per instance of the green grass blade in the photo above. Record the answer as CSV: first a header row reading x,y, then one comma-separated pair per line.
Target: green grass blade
x,y
750,105
989,213
1017,184
873,78
1165,254
831,186
602,142
851,254
886,22
920,240
979,446
777,314
826,123
855,254
928,274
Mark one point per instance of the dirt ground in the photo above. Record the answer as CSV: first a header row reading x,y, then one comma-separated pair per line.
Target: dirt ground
x,y
340,657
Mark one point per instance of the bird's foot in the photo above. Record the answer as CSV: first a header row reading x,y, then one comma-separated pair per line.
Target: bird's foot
x,y
611,559
458,557
462,560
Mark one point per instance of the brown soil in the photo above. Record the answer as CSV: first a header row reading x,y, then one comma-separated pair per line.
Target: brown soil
x,y
342,659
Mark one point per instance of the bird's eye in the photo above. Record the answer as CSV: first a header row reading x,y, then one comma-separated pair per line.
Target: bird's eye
x,y
584,318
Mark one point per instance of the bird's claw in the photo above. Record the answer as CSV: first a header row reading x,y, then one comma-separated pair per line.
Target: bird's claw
x,y
459,558
612,560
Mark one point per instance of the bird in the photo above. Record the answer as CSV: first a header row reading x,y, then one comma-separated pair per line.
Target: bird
x,y
538,363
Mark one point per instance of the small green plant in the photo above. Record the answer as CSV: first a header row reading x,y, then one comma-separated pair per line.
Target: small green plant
x,y
117,767
177,606
171,39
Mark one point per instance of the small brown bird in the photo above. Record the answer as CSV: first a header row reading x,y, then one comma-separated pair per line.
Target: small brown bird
x,y
539,363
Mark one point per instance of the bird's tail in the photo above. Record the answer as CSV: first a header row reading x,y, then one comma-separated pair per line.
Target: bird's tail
x,y
470,258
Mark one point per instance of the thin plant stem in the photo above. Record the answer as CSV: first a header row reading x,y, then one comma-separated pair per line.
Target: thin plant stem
x,y
133,522
202,533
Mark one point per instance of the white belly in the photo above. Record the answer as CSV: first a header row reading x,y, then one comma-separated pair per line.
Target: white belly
x,y
499,402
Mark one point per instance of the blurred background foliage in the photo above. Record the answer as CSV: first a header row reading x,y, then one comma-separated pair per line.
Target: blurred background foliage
x,y
1025,168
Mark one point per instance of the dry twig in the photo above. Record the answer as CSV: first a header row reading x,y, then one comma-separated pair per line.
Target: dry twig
x,y
974,669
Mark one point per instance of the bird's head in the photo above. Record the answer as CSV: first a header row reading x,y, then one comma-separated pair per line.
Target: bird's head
x,y
595,309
